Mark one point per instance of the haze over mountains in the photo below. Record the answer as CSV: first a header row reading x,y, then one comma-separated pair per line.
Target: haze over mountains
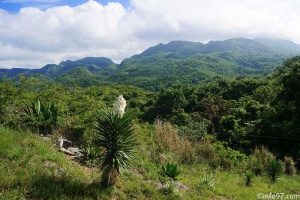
x,y
182,61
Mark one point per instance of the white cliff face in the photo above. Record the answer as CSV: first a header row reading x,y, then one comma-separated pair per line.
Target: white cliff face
x,y
120,105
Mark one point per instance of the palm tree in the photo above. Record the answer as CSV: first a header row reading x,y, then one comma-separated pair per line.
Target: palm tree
x,y
115,137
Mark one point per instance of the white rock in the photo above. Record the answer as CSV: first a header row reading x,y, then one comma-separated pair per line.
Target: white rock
x,y
66,151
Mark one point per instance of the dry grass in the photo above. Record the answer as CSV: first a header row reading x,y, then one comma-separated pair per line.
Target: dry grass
x,y
168,139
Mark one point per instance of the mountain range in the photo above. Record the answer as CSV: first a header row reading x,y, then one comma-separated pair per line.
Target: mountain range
x,y
178,61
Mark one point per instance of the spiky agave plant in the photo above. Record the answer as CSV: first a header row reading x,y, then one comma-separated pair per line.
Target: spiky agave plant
x,y
171,170
115,136
42,116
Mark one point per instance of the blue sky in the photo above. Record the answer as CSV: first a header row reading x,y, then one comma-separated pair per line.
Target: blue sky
x,y
34,33
14,6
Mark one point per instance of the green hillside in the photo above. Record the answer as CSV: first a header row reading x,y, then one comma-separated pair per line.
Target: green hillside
x,y
176,62
94,64
80,77
240,46
160,71
196,63
285,45
173,49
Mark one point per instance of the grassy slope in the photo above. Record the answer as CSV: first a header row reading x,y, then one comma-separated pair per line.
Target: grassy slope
x,y
29,170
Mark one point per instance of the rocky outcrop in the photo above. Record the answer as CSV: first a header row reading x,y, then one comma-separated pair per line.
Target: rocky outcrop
x,y
66,147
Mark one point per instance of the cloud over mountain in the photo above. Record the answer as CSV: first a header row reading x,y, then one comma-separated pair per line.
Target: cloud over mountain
x,y
33,37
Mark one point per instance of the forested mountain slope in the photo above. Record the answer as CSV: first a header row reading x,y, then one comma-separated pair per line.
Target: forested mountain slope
x,y
176,62
197,63
93,64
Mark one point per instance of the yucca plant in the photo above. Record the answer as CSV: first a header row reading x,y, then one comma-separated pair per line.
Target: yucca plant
x,y
274,170
171,170
115,137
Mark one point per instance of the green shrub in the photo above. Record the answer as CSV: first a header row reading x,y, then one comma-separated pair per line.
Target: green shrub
x,y
260,159
249,175
227,158
41,116
171,170
289,166
205,150
193,130
92,156
274,170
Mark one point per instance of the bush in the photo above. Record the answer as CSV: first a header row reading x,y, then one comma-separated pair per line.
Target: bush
x,y
205,150
169,141
193,130
260,159
92,156
249,177
289,166
227,158
274,170
41,116
171,170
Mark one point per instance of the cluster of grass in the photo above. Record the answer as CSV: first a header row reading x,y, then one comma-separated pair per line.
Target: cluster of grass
x,y
32,168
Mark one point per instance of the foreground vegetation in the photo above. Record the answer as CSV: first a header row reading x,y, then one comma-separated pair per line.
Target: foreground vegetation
x,y
34,169
225,139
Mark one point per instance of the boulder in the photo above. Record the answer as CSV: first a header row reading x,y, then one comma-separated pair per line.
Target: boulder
x,y
181,186
177,184
66,151
63,143
76,151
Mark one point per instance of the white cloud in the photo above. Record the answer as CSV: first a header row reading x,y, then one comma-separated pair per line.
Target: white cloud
x,y
33,38
219,19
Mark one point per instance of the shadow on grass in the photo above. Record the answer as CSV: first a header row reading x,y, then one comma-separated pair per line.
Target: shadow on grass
x,y
51,187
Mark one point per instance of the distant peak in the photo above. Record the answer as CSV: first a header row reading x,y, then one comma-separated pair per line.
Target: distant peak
x,y
185,48
99,61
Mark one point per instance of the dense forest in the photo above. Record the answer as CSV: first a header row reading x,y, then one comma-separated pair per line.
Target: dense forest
x,y
226,122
